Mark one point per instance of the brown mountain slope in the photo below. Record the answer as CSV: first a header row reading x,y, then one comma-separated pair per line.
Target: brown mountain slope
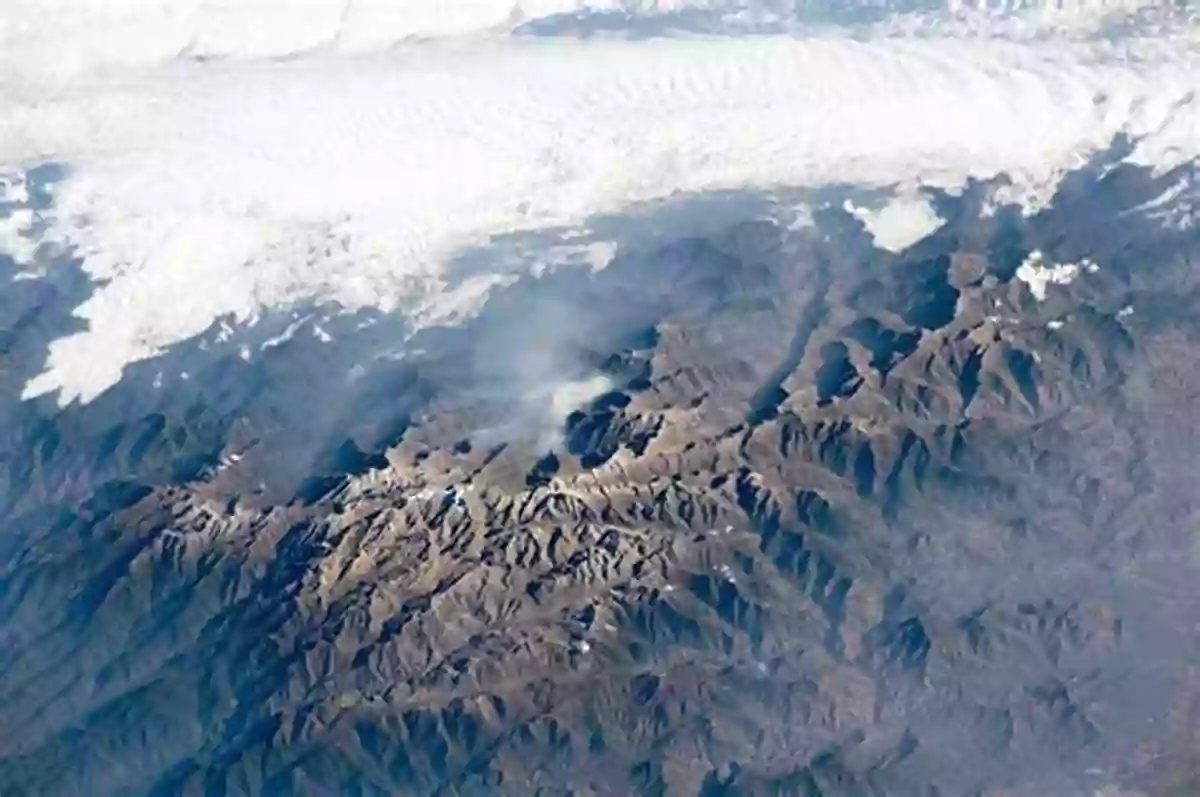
x,y
844,523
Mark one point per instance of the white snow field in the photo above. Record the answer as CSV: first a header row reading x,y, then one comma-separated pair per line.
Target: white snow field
x,y
199,187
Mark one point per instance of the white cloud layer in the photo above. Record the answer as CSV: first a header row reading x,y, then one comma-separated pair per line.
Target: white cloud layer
x,y
33,32
199,189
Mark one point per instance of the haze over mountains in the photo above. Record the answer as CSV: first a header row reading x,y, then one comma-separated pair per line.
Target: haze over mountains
x,y
842,522
704,412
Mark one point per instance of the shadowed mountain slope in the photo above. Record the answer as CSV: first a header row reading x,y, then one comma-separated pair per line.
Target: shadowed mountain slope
x,y
836,522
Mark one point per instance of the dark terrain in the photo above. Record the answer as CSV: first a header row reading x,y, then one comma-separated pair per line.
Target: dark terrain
x,y
846,523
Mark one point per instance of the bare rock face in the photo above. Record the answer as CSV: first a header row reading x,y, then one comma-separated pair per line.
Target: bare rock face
x,y
828,520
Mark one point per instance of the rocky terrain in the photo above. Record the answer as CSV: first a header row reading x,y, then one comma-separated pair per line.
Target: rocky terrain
x,y
827,520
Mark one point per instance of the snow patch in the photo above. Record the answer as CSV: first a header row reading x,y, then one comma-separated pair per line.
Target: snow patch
x,y
17,239
1039,275
13,189
284,336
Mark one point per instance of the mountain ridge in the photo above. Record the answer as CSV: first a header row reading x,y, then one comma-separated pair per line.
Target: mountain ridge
x,y
845,522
